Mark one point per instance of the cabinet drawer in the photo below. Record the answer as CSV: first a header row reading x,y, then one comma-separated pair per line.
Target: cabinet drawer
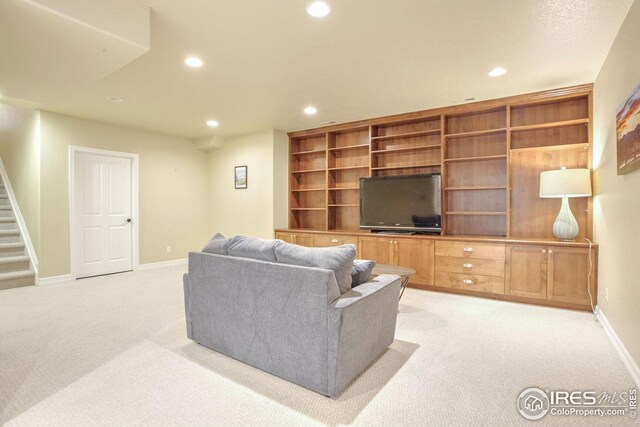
x,y
470,250
471,282
482,266
320,240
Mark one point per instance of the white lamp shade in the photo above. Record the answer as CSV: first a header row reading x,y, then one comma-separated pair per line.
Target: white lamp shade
x,y
565,183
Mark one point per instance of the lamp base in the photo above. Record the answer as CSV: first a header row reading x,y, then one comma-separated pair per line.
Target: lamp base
x,y
566,227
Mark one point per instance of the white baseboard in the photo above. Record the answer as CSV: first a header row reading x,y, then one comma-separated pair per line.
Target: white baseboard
x,y
628,361
43,281
170,263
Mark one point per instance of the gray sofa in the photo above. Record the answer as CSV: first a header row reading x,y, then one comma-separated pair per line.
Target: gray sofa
x,y
289,320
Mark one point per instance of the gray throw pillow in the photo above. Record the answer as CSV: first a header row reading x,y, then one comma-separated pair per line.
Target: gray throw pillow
x,y
338,259
217,245
254,248
361,271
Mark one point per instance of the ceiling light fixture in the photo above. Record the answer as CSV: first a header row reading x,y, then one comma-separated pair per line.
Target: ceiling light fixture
x,y
114,99
212,123
497,72
318,9
310,110
194,62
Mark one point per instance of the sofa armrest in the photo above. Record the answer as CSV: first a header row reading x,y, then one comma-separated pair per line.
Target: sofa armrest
x,y
362,325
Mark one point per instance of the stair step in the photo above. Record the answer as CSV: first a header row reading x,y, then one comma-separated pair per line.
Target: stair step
x,y
14,263
17,279
12,249
5,208
7,219
9,236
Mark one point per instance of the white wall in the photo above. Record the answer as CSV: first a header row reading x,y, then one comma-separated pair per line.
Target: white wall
x,y
617,198
174,192
262,206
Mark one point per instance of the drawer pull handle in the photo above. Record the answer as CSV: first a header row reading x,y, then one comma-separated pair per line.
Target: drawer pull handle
x,y
468,250
467,265
467,282
334,240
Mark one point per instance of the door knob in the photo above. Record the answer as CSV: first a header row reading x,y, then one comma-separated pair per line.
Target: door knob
x,y
128,219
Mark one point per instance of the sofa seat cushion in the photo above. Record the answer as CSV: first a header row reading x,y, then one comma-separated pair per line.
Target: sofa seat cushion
x,y
361,271
217,245
338,259
254,248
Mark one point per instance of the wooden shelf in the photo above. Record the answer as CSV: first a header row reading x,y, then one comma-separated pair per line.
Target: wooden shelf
x,y
475,133
349,147
406,135
301,153
468,159
308,209
477,187
346,168
415,148
298,190
550,125
344,188
425,165
584,145
310,171
476,213
344,206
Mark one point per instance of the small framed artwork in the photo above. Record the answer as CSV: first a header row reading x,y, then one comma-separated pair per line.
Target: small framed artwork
x,y
240,176
628,133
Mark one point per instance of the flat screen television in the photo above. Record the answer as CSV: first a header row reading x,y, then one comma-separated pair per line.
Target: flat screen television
x,y
401,203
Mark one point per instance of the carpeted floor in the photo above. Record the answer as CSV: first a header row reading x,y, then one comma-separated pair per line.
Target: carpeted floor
x,y
113,351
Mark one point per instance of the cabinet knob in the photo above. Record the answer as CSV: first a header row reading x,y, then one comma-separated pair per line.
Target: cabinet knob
x,y
544,251
334,240
468,250
467,282
467,265
550,251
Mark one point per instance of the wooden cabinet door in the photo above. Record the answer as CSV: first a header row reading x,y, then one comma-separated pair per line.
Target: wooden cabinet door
x,y
303,239
416,254
378,249
526,273
287,237
568,276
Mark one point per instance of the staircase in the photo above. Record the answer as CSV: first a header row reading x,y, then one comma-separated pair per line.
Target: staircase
x,y
15,265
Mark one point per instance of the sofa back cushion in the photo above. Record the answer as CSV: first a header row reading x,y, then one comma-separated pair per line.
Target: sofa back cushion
x,y
254,248
217,245
361,271
338,259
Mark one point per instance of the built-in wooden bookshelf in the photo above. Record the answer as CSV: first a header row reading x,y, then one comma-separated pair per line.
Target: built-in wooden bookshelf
x,y
490,155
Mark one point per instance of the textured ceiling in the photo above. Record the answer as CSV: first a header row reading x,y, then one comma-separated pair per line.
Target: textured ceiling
x,y
266,60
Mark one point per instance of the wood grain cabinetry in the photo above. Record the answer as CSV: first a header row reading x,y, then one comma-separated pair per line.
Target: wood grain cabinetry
x,y
412,253
473,266
555,274
296,238
536,271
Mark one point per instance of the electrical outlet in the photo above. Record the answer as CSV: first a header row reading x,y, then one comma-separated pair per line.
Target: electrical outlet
x,y
606,294
169,249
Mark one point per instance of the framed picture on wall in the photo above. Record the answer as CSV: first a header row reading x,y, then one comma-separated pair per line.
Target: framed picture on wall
x,y
240,176
628,133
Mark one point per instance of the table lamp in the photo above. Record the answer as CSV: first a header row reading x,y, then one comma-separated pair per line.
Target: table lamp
x,y
564,183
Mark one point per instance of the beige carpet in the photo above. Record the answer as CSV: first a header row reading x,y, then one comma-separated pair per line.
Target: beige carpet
x,y
112,351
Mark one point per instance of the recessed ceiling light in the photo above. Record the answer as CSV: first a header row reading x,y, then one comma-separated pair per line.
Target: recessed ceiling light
x,y
212,123
194,62
114,99
318,9
310,110
497,72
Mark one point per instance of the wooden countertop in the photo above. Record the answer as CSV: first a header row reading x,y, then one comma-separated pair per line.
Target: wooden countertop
x,y
468,238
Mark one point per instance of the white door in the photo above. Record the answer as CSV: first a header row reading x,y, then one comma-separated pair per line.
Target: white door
x,y
103,229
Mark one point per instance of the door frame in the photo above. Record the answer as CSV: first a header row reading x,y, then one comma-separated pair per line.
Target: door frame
x,y
74,254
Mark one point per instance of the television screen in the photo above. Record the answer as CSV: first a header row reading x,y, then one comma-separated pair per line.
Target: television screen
x,y
410,202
